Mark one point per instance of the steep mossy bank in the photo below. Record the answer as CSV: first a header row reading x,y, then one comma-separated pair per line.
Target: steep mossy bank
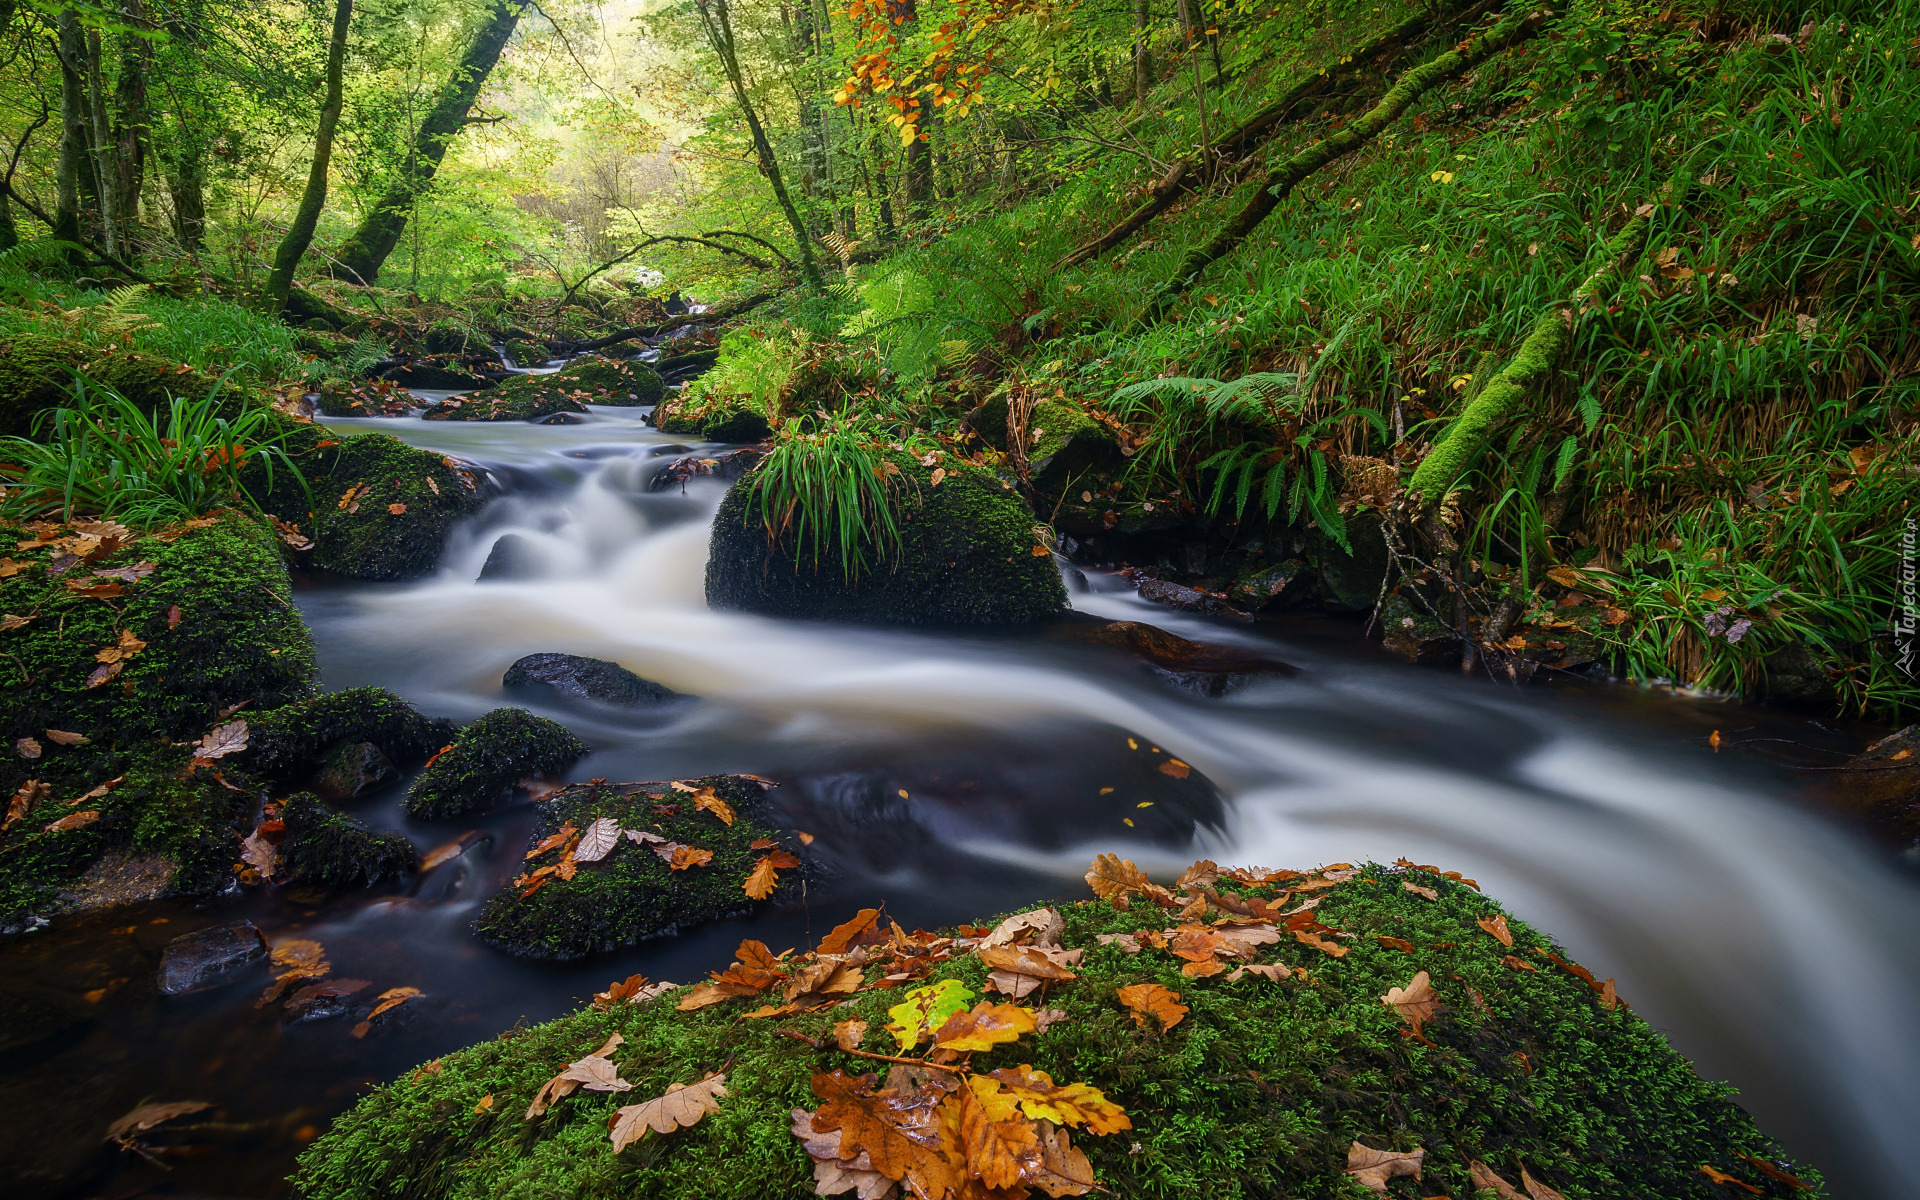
x,y
1260,1089
633,893
967,556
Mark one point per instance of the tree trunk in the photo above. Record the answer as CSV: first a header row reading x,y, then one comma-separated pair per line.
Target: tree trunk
x,y
919,176
300,233
719,29
186,187
366,251
133,133
887,230
71,48
1283,178
1142,55
105,170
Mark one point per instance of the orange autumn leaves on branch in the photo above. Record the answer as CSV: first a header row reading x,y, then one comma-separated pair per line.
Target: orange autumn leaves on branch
x,y
950,75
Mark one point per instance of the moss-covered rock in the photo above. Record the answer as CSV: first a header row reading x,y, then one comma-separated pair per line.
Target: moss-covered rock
x,y
675,416
521,398
633,894
326,846
1259,1089
527,354
450,337
739,425
35,373
365,398
383,509
189,624
967,558
620,382
288,744
487,759
1065,445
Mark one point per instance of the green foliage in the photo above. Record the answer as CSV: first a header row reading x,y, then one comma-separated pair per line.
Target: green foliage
x,y
107,456
831,492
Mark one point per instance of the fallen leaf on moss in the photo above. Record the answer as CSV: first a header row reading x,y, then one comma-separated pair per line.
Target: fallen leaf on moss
x,y
765,876
1272,971
1537,1190
67,739
147,1116
1424,893
616,992
706,801
1374,1167
762,844
682,1106
28,748
1308,937
30,792
10,622
120,651
849,1034
1775,1173
1204,969
10,567
985,1026
704,995
223,740
925,1009
860,928
71,821
1483,1176
597,841
1039,926
1497,928
645,837
566,1082
1152,1000
1416,1003
686,857
1394,943
1116,880
881,1126
566,868
1067,1104
833,1175
1516,963
110,590
1127,943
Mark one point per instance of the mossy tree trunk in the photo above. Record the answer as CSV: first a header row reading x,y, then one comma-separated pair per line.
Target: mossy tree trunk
x,y
1279,183
367,250
1142,53
300,233
70,46
719,29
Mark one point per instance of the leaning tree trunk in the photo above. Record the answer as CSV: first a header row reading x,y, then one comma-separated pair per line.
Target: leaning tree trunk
x,y
300,233
1282,179
719,30
367,250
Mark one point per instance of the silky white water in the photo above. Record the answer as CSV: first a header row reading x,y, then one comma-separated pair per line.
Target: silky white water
x,y
1776,949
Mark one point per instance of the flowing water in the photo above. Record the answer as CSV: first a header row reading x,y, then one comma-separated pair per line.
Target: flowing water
x,y
954,775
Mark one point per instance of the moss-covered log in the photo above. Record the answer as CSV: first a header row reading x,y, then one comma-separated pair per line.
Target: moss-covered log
x,y
633,894
1260,1089
1519,25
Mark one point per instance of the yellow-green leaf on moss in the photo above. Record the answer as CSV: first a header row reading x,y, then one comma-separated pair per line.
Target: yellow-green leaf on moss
x,y
926,1009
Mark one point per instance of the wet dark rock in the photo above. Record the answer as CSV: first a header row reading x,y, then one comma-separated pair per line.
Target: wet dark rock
x,y
1189,665
740,425
512,557
579,678
1186,599
632,894
1794,674
1351,582
352,769
487,759
1410,633
287,744
1267,584
729,465
326,846
966,558
211,958
1881,786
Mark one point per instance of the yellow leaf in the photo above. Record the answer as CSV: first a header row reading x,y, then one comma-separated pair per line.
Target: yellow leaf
x,y
986,1026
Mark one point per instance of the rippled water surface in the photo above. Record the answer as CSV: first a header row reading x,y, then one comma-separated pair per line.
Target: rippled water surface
x,y
1774,948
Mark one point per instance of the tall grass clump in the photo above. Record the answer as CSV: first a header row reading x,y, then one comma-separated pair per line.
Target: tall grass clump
x,y
831,492
107,456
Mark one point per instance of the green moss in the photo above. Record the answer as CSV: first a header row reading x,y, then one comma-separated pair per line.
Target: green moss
x,y
740,425
189,819
35,373
521,398
1257,1092
345,398
675,416
609,381
216,615
290,743
1064,444
487,758
326,846
632,895
367,539
967,559
527,354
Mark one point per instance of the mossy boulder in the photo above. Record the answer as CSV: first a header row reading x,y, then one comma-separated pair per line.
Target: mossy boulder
x,y
450,337
527,354
739,425
383,509
197,619
1259,1089
326,846
675,416
1065,445
521,398
365,398
633,894
966,558
487,759
612,381
35,373
289,744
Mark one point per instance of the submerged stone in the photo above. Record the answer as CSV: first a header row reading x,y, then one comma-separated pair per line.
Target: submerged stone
x,y
326,846
512,557
633,894
966,558
580,678
211,958
487,759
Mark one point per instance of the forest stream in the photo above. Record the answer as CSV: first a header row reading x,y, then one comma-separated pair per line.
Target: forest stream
x,y
952,775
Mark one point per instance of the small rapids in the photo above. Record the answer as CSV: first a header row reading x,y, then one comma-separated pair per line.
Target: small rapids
x,y
954,775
